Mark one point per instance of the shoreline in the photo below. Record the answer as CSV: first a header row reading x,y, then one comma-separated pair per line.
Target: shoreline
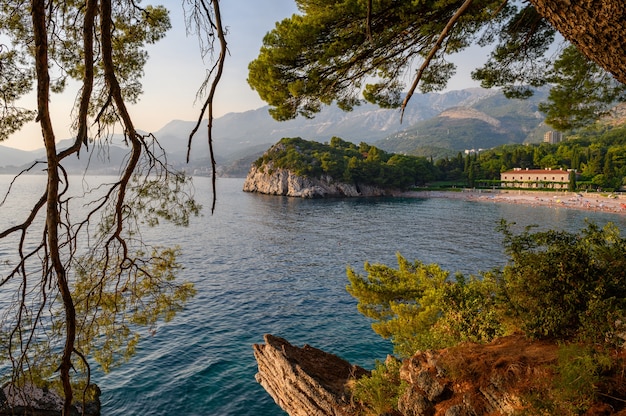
x,y
571,200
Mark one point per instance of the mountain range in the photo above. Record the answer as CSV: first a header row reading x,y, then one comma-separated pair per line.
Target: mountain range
x,y
434,124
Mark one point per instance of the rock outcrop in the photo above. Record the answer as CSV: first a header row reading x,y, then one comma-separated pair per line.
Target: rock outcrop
x,y
34,401
475,380
267,180
305,381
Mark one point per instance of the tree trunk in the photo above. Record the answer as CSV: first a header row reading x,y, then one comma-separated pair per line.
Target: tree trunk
x,y
596,27
52,208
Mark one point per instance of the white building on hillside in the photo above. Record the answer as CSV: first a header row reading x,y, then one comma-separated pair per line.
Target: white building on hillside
x,y
553,137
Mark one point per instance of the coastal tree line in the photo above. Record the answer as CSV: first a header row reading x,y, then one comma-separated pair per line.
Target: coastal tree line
x,y
597,154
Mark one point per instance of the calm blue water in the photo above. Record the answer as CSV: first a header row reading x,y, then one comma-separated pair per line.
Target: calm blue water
x,y
266,264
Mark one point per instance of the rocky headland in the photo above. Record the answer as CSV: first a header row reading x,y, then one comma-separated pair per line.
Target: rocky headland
x,y
305,381
265,179
306,169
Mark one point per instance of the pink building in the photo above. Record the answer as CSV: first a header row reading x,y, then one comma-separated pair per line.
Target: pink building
x,y
535,178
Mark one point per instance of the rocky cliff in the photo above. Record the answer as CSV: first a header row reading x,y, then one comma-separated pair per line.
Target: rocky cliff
x,y
267,180
472,379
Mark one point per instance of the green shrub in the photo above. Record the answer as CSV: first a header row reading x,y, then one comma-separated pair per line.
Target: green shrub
x,y
469,311
579,368
557,285
560,286
378,394
566,286
578,372
418,307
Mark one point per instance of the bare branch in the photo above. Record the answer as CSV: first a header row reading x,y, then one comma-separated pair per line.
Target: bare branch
x,y
88,30
433,51
219,65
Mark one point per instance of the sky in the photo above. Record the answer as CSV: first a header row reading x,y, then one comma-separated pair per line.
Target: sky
x,y
175,71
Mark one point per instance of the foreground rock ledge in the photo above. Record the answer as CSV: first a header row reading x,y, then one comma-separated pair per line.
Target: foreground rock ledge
x,y
305,381
476,380
34,401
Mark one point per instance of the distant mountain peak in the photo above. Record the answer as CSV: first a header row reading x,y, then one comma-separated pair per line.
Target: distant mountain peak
x,y
470,113
617,117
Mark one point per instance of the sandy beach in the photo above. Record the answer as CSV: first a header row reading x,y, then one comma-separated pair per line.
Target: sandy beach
x,y
584,201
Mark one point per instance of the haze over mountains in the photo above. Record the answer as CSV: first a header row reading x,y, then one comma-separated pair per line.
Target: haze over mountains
x,y
435,124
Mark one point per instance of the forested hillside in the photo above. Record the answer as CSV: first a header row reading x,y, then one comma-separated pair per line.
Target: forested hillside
x,y
597,153
347,162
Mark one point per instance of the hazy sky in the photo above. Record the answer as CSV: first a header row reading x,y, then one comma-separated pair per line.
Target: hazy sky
x,y
175,70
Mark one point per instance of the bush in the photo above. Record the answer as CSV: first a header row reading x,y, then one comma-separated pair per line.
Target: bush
x,y
469,311
579,372
556,285
418,307
566,286
378,394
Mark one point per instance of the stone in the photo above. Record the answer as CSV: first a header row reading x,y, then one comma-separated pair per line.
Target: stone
x,y
310,382
305,381
414,403
35,401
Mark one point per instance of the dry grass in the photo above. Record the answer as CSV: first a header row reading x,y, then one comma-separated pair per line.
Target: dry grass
x,y
507,360
525,369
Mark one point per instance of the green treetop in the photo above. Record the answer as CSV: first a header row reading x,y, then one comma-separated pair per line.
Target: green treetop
x,y
347,162
344,51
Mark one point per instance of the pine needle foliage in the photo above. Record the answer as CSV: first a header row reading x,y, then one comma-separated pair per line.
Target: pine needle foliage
x,y
557,285
378,393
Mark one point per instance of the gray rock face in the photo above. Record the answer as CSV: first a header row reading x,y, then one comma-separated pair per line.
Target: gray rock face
x,y
266,180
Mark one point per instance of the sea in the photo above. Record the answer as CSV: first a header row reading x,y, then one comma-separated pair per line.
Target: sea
x,y
269,264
